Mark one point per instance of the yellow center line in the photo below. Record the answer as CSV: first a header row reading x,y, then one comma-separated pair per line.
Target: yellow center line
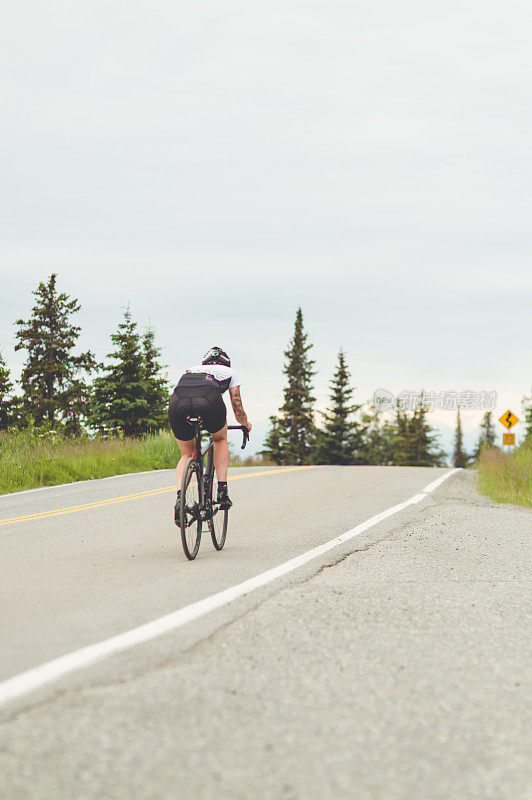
x,y
137,496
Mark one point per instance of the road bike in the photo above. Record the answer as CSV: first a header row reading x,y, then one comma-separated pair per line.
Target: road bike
x,y
197,503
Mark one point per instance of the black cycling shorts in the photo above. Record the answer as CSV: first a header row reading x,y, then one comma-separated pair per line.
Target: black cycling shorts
x,y
196,394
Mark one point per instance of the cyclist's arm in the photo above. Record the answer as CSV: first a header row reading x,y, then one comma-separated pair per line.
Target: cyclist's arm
x,y
238,408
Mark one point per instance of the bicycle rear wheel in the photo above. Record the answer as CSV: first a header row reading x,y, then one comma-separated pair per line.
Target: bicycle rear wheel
x,y
218,525
190,510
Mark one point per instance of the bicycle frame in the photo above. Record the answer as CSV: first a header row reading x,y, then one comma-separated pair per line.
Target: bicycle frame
x,y
206,473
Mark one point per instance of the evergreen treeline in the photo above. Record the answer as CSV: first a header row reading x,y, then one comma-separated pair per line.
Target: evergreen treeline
x,y
345,433
128,395
342,438
68,391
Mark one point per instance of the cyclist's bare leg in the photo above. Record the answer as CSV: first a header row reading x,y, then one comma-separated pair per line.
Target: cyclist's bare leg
x,y
221,453
187,449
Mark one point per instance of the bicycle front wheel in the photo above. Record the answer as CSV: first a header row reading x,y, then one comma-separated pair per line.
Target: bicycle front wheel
x,y
190,510
218,527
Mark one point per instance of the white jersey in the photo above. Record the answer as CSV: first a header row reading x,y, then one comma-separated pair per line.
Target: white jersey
x,y
226,377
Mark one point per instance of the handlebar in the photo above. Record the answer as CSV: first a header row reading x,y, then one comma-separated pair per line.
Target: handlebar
x,y
245,433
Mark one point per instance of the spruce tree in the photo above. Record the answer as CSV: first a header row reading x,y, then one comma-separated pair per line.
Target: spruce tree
x,y
377,438
119,401
156,385
272,444
460,456
293,427
401,444
6,400
414,441
340,440
428,451
52,383
527,408
487,434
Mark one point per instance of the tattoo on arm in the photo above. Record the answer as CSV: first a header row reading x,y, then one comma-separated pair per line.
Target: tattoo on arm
x,y
236,402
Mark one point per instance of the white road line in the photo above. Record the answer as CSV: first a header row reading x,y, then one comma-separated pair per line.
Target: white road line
x,y
438,482
53,670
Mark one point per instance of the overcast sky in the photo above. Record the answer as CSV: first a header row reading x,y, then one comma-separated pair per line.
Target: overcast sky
x,y
218,164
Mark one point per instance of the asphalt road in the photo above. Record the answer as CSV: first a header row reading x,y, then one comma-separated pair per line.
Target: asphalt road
x,y
393,666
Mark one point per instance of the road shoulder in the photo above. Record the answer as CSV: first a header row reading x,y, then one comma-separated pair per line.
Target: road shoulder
x,y
396,673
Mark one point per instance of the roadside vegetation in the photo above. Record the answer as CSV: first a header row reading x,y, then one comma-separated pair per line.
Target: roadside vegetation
x,y
507,478
69,417
29,460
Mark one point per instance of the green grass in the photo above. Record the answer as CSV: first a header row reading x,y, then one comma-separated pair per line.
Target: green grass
x,y
507,478
28,461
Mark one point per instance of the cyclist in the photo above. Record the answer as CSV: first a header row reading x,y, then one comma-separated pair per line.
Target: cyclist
x,y
199,392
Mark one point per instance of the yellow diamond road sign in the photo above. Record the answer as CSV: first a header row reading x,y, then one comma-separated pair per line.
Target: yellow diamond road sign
x,y
508,419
